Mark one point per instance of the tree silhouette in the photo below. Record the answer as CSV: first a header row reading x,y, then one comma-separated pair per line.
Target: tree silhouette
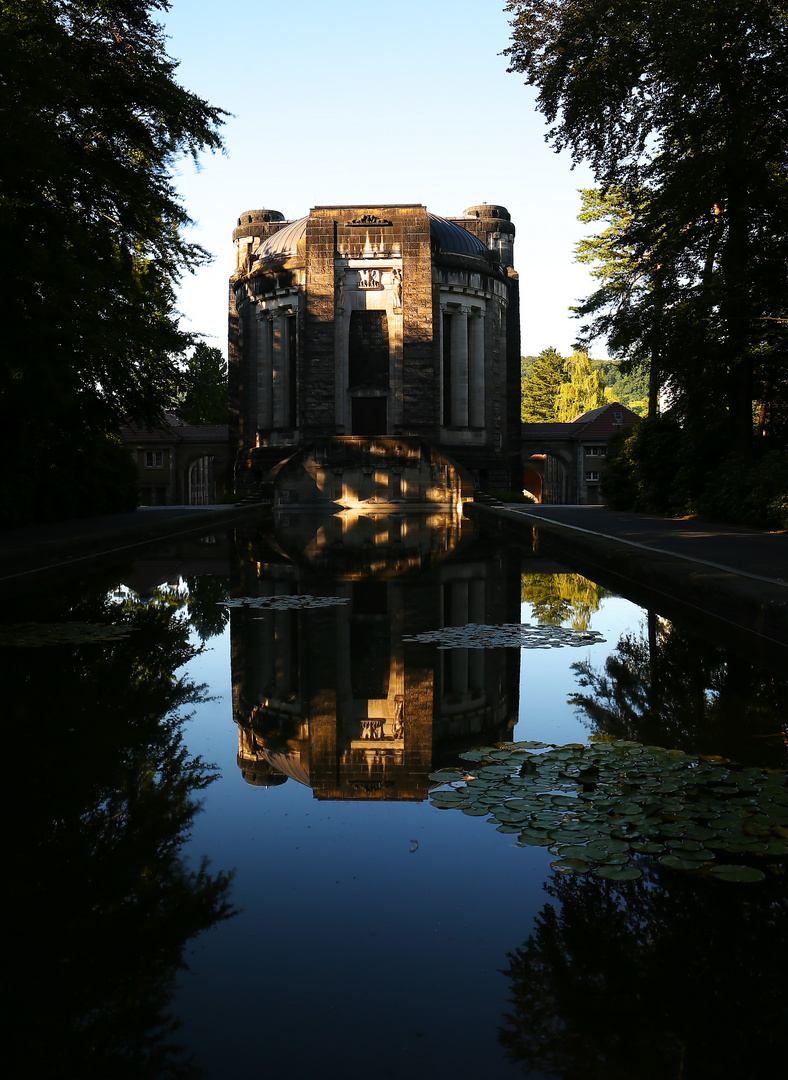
x,y
102,901
676,689
660,977
93,123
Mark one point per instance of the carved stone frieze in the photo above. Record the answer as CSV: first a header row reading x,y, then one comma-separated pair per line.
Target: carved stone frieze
x,y
369,278
367,219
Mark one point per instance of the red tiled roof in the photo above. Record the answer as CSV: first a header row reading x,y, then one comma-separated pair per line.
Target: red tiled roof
x,y
175,431
547,431
603,422
598,423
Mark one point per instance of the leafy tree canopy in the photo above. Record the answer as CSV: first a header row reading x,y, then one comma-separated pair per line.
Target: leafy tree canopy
x,y
93,121
540,388
544,375
583,388
203,387
683,108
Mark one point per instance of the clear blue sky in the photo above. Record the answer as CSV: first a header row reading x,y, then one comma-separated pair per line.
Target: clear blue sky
x,y
372,102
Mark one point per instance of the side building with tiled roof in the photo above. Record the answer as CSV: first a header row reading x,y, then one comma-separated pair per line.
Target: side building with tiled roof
x,y
181,464
563,463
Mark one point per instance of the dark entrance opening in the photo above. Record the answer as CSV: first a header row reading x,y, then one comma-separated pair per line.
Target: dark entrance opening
x,y
368,350
368,369
369,416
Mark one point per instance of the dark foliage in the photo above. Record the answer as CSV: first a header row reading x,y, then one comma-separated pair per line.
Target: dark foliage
x,y
664,468
101,901
675,689
681,109
651,979
93,121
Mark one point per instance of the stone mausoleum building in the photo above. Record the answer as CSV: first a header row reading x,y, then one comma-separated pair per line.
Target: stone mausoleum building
x,y
375,333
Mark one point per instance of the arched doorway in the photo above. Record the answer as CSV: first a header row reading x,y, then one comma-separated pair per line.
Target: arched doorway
x,y
532,482
201,481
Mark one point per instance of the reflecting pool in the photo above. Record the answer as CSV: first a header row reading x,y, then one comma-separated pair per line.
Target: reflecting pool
x,y
227,858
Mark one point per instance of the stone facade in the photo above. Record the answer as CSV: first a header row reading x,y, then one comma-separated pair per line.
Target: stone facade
x,y
340,698
372,321
181,464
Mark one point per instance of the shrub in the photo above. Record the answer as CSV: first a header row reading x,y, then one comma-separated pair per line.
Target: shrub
x,y
748,492
643,464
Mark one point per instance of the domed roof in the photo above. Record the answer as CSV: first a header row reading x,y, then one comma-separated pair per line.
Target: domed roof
x,y
451,239
284,242
448,238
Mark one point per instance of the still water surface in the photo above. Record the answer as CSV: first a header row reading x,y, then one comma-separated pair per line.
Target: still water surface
x,y
343,925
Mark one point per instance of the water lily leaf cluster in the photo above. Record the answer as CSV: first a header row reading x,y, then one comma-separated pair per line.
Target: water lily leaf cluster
x,y
603,807
507,635
31,635
285,603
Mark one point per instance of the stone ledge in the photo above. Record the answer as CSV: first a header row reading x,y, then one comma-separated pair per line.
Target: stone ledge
x,y
743,602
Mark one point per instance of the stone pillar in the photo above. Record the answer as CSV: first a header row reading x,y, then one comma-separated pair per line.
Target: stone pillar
x,y
476,370
476,614
280,371
264,372
459,368
459,657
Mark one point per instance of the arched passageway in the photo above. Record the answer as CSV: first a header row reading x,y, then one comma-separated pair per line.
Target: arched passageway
x,y
201,486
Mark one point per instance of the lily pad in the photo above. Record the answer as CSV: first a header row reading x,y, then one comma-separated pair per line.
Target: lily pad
x,y
674,862
734,872
33,635
572,866
623,873
633,800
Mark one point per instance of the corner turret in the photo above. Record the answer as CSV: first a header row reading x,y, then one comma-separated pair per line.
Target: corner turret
x,y
493,225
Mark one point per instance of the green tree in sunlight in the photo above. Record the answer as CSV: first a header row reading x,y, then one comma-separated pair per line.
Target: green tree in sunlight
x,y
203,387
582,389
539,389
557,599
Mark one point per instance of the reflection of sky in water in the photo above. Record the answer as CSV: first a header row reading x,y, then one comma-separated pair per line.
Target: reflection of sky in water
x,y
390,956
372,934
546,678
350,946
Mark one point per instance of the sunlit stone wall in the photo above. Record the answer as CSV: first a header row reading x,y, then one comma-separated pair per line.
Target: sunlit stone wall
x,y
372,321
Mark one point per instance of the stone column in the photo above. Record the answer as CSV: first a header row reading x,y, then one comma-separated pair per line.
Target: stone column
x,y
264,372
459,657
459,368
476,614
476,369
280,372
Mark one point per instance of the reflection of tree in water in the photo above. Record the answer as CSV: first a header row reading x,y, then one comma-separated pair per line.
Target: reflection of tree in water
x,y
203,598
652,978
560,598
679,690
207,613
103,904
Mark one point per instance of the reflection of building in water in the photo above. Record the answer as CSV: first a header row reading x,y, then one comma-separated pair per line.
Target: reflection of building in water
x,y
331,696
